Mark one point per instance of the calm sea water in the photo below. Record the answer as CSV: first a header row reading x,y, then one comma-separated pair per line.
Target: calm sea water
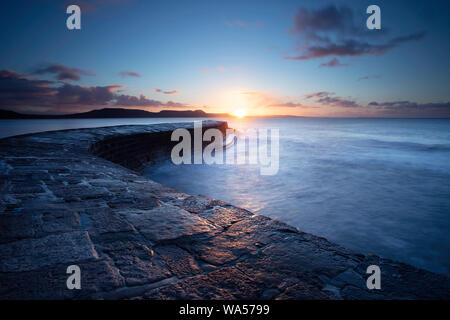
x,y
374,185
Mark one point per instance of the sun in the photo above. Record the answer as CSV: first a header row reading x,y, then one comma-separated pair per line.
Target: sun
x,y
240,113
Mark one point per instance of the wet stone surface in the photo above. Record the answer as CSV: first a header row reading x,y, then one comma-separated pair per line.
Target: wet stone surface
x,y
73,197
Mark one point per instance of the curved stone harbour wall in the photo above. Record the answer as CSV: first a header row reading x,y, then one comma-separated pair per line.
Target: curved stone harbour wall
x,y
69,198
134,151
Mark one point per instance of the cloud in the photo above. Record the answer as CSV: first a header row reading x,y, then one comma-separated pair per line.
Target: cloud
x,y
329,18
141,101
129,74
330,99
319,94
63,72
399,108
23,93
69,94
288,105
17,89
6,73
321,99
353,47
172,104
333,63
390,104
338,102
412,109
206,70
221,69
171,92
331,31
406,105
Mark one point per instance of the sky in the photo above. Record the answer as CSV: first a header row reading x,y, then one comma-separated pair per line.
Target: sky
x,y
305,58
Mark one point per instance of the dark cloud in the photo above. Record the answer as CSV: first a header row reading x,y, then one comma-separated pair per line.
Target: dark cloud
x,y
338,102
5,73
85,96
333,63
63,72
408,105
412,109
141,101
400,108
172,104
353,47
17,89
319,94
329,18
129,74
331,31
390,104
171,92
330,99
20,92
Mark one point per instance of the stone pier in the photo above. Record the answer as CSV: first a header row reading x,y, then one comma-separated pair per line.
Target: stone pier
x,y
75,197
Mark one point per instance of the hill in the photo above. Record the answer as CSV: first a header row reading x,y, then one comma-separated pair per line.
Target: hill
x,y
116,113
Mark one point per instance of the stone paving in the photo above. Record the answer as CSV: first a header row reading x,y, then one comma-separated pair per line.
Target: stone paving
x,y
62,203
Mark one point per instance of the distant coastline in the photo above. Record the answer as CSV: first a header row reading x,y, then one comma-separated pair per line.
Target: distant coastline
x,y
116,113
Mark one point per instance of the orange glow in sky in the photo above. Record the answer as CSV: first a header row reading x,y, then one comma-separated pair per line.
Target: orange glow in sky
x,y
240,113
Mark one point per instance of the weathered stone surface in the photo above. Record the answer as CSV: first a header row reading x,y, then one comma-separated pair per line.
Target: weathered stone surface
x,y
58,220
180,262
50,282
223,216
350,277
136,262
105,220
16,226
225,283
76,197
33,254
166,222
304,291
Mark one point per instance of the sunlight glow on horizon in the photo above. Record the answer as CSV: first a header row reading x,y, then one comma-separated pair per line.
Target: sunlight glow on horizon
x,y
240,113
